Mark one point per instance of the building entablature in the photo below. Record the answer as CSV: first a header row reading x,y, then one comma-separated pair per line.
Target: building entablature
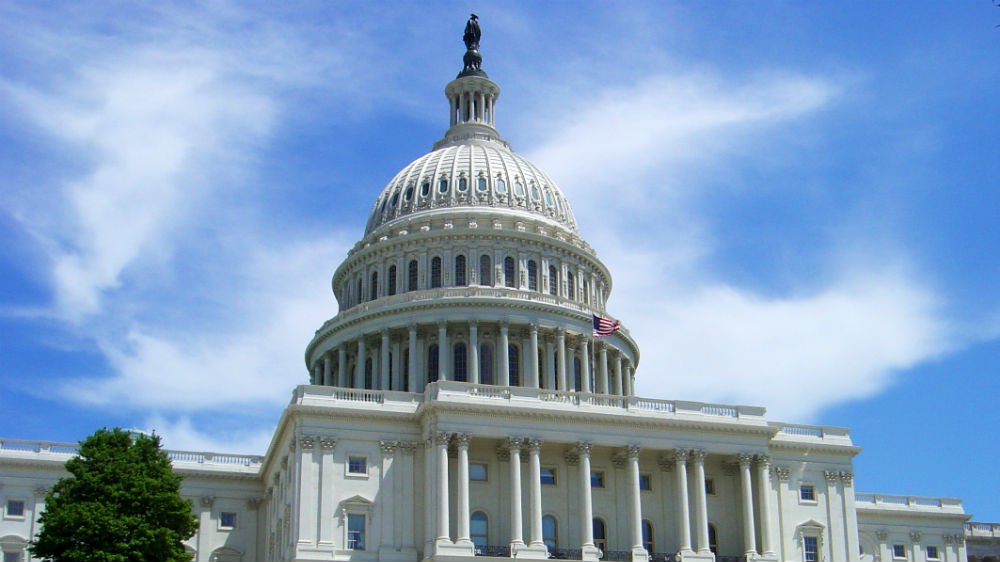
x,y
895,506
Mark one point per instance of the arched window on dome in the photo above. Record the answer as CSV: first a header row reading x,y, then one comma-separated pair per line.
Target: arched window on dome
x,y
461,362
391,285
509,272
571,286
368,373
577,374
501,185
360,294
373,287
535,194
443,185
486,364
435,272
484,185
432,363
514,364
532,275
460,271
586,292
411,281
463,184
408,194
553,280
425,188
485,270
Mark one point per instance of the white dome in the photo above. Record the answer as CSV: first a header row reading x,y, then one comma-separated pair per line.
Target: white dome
x,y
481,174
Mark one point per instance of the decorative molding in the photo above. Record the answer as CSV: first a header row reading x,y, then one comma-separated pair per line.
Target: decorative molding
x,y
731,468
882,534
666,462
619,461
327,443
847,478
207,501
503,452
915,536
783,473
388,447
254,503
832,477
407,447
307,442
571,456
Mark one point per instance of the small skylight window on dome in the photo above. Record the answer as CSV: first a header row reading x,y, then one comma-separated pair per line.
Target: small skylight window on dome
x,y
443,185
535,194
483,185
425,189
549,200
409,193
501,185
395,199
463,184
519,189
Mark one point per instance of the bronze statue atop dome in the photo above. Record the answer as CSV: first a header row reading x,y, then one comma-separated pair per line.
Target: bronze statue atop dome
x,y
472,60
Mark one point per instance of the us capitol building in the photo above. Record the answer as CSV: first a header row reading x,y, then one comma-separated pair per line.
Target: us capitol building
x,y
465,404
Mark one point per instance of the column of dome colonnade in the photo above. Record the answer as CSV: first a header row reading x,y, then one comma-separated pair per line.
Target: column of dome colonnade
x,y
408,357
690,509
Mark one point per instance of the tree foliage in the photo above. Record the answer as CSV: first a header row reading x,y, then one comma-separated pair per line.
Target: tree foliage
x,y
121,503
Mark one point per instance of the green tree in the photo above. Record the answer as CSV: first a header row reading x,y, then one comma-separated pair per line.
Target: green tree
x,y
121,503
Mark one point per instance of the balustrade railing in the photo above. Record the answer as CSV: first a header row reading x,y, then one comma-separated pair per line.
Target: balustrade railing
x,y
46,447
907,501
493,550
977,529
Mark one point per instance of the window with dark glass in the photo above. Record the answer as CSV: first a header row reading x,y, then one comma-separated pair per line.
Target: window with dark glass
x,y
409,193
406,369
647,536
461,358
227,520
519,189
514,363
460,271
600,537
645,482
508,271
355,531
532,275
360,294
577,375
392,280
485,270
435,272
432,362
553,280
463,184
395,199
483,184
479,531
550,533
548,476
373,287
411,281
425,188
810,548
478,472
368,374
443,185
596,479
713,540
535,195
357,465
501,185
571,286
486,364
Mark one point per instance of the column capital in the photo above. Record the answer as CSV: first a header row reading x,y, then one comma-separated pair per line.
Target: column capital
x,y
385,332
847,478
571,456
504,327
412,326
473,324
307,441
503,453
915,536
462,440
745,459
832,476
407,447
666,462
698,455
763,461
560,332
534,445
443,438
882,534
388,446
442,324
515,444
783,473
632,451
681,456
533,328
583,449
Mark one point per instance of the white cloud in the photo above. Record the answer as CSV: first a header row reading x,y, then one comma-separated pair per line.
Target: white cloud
x,y
180,434
623,151
254,359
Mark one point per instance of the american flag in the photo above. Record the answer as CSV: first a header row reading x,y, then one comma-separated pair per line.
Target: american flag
x,y
605,326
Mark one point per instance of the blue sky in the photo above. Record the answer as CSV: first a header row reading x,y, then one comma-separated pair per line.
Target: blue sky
x,y
798,201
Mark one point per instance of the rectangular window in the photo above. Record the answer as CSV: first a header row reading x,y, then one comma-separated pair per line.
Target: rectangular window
x,y
227,520
932,553
899,551
357,465
15,508
596,479
710,486
807,493
645,482
478,472
355,531
548,476
810,547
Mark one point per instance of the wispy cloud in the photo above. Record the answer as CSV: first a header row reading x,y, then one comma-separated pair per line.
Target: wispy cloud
x,y
658,146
